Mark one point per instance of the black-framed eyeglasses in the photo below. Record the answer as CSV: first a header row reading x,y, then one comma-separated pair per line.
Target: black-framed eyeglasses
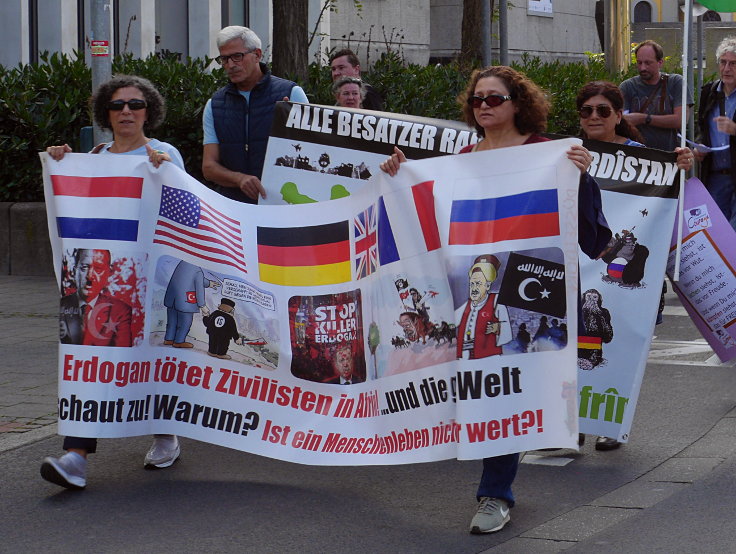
x,y
237,57
492,100
603,110
134,104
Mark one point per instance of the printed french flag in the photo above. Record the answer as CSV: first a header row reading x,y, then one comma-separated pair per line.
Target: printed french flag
x,y
517,216
407,224
100,208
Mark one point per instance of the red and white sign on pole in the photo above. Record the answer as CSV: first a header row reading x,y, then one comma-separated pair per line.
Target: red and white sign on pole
x,y
100,48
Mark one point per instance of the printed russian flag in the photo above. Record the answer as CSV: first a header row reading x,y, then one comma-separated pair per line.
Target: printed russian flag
x,y
518,216
407,224
100,208
615,269
305,256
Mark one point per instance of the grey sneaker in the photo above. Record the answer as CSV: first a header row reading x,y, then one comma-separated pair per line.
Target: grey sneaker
x,y
69,471
492,515
163,452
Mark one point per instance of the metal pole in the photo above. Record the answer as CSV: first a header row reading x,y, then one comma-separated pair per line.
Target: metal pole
x,y
685,71
101,55
503,31
486,30
701,58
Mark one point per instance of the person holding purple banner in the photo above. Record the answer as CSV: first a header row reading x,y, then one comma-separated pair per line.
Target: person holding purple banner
x,y
717,124
508,109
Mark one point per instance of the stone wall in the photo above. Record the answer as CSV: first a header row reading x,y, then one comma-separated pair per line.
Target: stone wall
x,y
25,248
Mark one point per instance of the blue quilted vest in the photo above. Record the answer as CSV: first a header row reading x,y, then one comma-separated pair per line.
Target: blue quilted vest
x,y
243,127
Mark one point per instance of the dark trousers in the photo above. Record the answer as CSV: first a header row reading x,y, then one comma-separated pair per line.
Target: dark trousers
x,y
499,473
90,445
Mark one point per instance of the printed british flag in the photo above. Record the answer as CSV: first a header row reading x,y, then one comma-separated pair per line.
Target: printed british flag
x,y
366,247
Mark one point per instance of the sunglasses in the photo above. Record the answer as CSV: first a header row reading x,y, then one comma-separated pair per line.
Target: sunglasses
x,y
237,57
118,105
603,111
492,100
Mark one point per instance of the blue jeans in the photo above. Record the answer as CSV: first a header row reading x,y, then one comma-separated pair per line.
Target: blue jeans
x,y
723,191
499,473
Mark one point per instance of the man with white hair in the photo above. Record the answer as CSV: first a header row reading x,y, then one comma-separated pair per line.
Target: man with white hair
x,y
237,119
717,124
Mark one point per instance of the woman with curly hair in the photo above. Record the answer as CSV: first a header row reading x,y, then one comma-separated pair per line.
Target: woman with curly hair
x,y
129,106
508,109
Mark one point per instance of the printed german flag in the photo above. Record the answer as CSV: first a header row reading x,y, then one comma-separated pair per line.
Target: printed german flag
x,y
304,256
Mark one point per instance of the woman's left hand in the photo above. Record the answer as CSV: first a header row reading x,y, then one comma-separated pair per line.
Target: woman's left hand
x,y
157,157
580,156
684,158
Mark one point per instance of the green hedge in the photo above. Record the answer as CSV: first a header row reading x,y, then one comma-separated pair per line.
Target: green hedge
x,y
46,103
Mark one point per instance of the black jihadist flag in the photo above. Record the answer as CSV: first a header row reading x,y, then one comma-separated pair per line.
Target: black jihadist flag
x,y
533,284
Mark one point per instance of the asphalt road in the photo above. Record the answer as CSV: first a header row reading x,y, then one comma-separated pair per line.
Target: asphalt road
x,y
671,489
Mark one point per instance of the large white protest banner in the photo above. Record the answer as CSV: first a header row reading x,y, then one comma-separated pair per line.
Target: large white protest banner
x,y
621,291
185,312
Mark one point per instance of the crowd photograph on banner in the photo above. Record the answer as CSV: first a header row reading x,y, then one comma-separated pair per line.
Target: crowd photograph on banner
x,y
356,253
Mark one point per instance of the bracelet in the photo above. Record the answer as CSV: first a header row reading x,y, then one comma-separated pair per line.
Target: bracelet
x,y
648,119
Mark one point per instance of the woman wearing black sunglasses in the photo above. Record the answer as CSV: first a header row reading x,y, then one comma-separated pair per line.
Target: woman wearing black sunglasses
x,y
128,105
508,109
600,106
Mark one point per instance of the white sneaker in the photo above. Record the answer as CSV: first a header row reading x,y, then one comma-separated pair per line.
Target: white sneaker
x,y
69,471
163,452
492,515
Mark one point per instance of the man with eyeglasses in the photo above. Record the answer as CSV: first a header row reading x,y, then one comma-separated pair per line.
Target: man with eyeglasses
x,y
717,125
237,119
344,63
653,99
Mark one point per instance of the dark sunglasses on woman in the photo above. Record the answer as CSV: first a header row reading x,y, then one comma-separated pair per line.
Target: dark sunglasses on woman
x,y
492,100
118,105
603,111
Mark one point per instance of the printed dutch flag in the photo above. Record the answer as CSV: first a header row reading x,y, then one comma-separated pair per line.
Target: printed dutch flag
x,y
100,208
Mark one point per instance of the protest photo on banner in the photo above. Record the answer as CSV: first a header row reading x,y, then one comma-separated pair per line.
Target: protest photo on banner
x,y
707,283
319,153
621,291
327,338
241,325
102,297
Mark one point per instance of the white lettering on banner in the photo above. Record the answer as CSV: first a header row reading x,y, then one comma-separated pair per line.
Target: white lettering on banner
x,y
629,168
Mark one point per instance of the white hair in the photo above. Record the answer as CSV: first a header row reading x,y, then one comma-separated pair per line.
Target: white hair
x,y
728,44
249,38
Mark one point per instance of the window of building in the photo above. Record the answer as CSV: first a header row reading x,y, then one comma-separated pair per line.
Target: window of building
x,y
235,12
710,15
643,12
32,31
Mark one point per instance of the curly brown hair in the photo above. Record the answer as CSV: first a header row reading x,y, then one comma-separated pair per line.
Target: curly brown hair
x,y
155,105
533,106
612,93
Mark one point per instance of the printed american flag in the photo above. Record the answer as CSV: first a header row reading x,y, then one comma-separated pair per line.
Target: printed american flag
x,y
189,224
366,248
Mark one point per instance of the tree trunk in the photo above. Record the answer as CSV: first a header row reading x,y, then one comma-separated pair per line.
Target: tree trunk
x,y
471,49
290,57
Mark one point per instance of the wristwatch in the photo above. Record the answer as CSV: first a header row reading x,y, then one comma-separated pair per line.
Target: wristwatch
x,y
648,120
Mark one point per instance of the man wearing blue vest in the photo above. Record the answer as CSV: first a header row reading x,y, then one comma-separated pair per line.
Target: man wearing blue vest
x,y
237,119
